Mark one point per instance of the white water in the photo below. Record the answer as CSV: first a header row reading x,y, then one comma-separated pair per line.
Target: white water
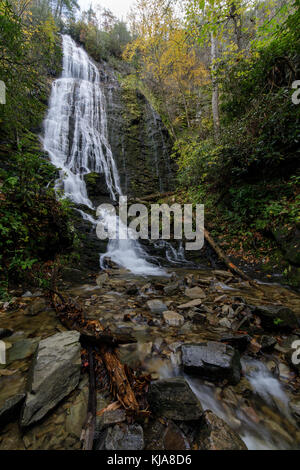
x,y
256,435
76,139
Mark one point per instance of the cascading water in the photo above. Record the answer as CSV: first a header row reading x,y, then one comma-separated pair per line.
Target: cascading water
x,y
76,139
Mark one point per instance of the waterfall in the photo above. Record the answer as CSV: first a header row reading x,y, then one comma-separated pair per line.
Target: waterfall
x,y
76,139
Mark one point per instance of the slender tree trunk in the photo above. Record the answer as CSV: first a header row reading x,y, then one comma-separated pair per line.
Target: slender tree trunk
x,y
215,89
237,22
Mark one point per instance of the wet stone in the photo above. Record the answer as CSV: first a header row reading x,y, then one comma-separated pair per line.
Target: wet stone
x,y
174,399
215,434
239,342
109,418
56,372
212,360
156,306
173,318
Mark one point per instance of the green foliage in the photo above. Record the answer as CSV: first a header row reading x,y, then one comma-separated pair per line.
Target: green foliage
x,y
100,44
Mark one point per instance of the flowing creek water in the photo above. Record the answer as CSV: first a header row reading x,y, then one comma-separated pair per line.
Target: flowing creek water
x,y
76,139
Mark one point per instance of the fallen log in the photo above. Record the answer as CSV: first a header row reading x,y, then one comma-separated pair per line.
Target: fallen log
x,y
224,258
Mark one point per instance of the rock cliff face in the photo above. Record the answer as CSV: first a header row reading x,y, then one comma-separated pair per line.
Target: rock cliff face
x,y
140,142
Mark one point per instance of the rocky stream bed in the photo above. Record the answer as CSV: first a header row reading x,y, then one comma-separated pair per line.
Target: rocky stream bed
x,y
218,350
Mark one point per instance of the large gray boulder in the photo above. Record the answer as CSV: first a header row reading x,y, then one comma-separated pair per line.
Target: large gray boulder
x,y
55,373
174,399
215,434
212,360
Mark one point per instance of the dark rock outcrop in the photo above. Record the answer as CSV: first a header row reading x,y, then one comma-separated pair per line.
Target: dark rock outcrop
x,y
213,361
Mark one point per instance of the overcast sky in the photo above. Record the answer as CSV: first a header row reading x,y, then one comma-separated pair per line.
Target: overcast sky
x,y
120,8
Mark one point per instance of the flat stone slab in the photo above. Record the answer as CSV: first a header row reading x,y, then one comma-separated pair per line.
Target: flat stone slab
x,y
173,318
191,304
56,372
174,399
12,394
212,360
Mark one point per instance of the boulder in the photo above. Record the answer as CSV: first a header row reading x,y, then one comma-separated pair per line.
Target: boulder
x,y
174,399
215,434
173,318
56,372
212,360
36,307
156,306
101,279
276,317
195,293
295,409
172,288
191,304
122,437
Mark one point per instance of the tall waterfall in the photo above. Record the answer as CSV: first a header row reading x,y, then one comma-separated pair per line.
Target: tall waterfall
x,y
76,139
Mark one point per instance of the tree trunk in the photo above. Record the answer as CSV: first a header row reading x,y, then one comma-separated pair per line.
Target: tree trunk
x,y
215,89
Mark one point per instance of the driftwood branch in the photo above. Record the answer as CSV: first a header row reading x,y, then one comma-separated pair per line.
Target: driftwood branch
x,y
90,425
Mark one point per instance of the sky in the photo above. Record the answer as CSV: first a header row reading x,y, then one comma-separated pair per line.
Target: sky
x,y
120,8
